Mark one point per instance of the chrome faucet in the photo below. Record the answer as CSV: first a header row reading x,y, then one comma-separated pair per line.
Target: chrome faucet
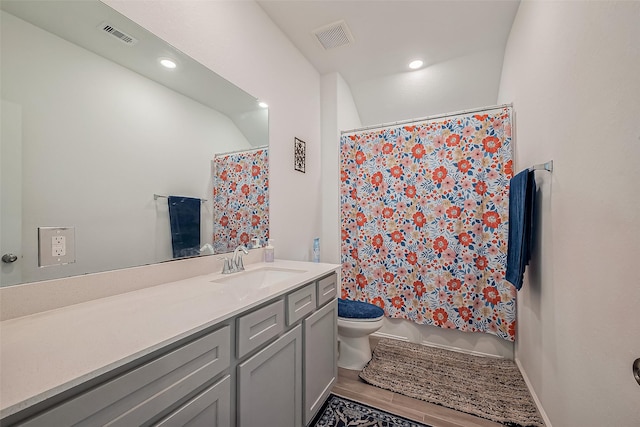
x,y
236,261
234,264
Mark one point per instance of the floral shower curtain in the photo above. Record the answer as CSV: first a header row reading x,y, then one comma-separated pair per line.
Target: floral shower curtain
x,y
424,221
240,199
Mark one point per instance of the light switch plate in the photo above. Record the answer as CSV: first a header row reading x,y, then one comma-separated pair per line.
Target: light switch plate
x,y
56,246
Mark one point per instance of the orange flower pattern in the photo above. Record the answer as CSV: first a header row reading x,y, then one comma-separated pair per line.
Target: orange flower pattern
x,y
424,221
240,199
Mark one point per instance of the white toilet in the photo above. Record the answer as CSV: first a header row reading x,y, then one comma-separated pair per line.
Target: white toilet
x,y
356,321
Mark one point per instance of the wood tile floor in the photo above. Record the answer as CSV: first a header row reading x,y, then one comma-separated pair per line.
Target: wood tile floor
x,y
349,385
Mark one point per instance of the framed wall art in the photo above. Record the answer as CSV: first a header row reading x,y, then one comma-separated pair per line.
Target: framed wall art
x,y
299,155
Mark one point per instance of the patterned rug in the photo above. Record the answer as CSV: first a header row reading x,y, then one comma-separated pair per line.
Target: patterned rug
x,y
340,412
487,387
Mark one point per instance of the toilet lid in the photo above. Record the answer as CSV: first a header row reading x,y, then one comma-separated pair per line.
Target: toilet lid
x,y
348,309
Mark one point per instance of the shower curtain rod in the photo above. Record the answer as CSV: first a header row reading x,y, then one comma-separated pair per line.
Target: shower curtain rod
x,y
423,119
244,150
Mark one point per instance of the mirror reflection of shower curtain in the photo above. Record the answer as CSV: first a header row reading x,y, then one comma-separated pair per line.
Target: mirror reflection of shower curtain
x,y
240,199
425,219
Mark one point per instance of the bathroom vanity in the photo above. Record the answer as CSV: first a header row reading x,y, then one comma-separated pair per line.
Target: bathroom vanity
x,y
255,348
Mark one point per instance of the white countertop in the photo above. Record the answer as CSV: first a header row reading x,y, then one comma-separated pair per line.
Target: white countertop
x,y
47,353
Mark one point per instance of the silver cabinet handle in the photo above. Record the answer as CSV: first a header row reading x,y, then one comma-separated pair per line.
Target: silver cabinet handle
x,y
9,258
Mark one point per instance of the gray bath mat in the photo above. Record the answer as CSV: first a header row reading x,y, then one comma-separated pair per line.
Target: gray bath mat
x,y
487,387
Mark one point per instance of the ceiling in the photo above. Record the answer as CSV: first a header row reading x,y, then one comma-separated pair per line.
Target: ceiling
x,y
461,42
79,22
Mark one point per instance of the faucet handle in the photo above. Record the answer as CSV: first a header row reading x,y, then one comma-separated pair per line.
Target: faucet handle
x,y
226,268
239,264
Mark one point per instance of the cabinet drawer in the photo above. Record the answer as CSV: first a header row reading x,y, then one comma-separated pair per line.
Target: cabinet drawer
x,y
301,303
327,289
258,327
145,392
211,408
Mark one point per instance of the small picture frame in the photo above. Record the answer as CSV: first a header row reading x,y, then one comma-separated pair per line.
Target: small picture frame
x,y
299,155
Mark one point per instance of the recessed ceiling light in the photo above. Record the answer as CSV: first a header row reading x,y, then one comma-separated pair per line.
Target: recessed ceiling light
x,y
263,104
168,63
414,65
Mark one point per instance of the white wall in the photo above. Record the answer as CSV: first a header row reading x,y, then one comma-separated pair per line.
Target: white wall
x,y
571,70
458,84
98,141
237,40
339,113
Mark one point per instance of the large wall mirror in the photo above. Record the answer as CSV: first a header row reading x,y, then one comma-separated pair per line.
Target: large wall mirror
x,y
93,127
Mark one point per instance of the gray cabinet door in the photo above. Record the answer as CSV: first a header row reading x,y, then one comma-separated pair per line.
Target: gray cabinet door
x,y
320,357
270,384
211,408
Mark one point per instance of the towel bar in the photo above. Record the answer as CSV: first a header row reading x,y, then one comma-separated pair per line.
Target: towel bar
x,y
156,196
543,166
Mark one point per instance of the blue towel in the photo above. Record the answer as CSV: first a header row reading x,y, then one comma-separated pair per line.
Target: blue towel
x,y
522,195
184,217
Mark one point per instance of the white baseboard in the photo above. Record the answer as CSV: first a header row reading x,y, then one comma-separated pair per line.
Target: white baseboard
x,y
543,414
393,337
451,339
442,346
461,350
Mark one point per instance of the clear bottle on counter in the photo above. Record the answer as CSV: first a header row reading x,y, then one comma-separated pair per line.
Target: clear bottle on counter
x,y
269,251
316,249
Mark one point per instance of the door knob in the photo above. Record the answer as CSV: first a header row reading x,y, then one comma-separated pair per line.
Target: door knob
x,y
9,258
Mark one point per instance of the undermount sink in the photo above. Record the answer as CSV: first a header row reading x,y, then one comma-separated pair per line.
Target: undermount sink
x,y
261,278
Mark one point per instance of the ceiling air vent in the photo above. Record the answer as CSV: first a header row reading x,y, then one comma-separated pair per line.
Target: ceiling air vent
x,y
120,35
334,35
